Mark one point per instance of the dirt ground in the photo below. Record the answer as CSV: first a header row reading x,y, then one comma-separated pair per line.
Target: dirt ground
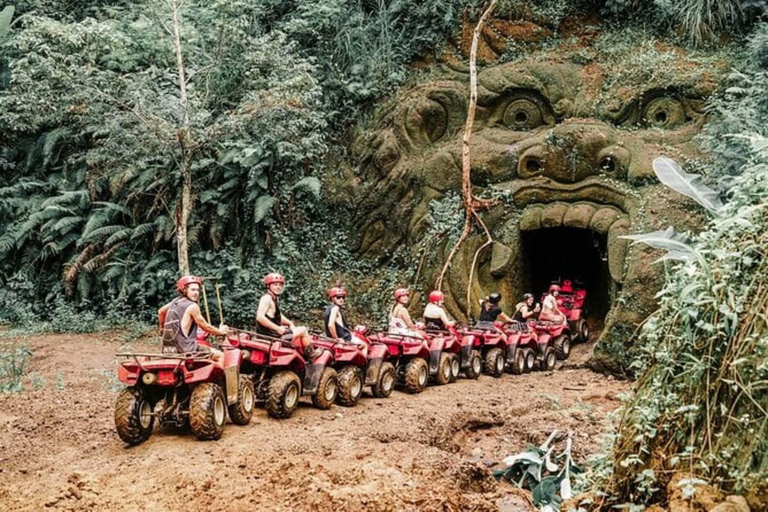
x,y
59,449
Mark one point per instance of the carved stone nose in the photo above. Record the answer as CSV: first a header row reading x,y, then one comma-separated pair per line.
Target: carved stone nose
x,y
575,151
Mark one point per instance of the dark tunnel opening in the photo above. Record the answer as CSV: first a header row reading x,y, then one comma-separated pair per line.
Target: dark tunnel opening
x,y
553,254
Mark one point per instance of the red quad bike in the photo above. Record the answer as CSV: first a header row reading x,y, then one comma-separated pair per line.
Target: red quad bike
x,y
450,352
409,356
571,302
281,375
489,352
357,371
522,347
553,343
181,390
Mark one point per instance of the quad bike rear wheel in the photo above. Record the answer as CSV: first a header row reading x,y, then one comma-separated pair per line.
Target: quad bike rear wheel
x,y
518,365
350,386
327,389
494,362
283,393
562,345
133,416
548,360
455,367
386,383
416,375
207,411
241,411
475,367
443,369
530,360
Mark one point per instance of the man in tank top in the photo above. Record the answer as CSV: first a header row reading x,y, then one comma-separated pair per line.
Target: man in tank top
x,y
271,322
181,317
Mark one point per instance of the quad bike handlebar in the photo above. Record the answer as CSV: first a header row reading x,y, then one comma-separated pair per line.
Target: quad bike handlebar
x,y
262,337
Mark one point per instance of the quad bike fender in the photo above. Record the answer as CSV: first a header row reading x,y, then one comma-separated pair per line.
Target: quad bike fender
x,y
575,314
232,358
289,359
312,375
466,353
128,373
372,372
207,373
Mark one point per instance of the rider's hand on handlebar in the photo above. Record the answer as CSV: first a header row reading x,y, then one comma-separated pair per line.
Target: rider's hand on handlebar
x,y
281,329
224,328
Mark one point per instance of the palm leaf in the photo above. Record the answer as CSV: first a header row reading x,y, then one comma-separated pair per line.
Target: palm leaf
x,y
309,184
5,22
263,206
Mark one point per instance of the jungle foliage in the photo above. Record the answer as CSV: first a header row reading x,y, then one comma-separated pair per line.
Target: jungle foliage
x,y
701,404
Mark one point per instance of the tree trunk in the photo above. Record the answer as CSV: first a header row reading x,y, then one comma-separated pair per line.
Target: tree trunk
x,y
466,164
184,139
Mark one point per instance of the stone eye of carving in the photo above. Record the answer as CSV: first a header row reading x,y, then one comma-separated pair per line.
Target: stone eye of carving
x,y
427,118
663,112
523,115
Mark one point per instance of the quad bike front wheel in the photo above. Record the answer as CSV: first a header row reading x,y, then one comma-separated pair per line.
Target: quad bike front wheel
x,y
241,411
133,416
519,364
283,393
582,330
416,375
494,362
548,359
386,382
562,345
327,389
475,367
350,386
443,369
207,411
455,367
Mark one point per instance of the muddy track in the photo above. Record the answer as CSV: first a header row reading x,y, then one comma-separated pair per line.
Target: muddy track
x,y
59,450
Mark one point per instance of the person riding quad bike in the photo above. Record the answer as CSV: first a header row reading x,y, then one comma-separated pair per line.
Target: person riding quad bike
x,y
550,312
435,316
491,312
181,317
524,310
271,322
336,326
400,321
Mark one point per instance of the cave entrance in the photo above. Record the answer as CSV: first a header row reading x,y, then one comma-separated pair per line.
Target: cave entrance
x,y
553,254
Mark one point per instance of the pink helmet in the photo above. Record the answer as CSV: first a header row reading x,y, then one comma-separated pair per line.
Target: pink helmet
x,y
273,277
436,296
401,292
186,281
554,288
337,291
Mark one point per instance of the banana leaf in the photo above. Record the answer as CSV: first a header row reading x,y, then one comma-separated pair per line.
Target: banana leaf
x,y
672,175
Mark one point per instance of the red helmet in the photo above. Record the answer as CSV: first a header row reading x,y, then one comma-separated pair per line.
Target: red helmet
x,y
337,291
400,292
186,281
554,288
436,296
274,277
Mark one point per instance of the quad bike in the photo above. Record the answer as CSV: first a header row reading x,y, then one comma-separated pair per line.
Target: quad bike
x,y
409,355
281,375
450,352
522,347
491,349
572,302
553,341
181,390
356,371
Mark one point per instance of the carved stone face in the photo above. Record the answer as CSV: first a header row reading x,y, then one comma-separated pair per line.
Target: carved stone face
x,y
566,150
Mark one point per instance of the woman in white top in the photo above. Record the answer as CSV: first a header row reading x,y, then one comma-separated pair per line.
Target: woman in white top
x,y
399,319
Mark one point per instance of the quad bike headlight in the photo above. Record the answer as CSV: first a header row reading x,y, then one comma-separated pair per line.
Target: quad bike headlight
x,y
149,378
